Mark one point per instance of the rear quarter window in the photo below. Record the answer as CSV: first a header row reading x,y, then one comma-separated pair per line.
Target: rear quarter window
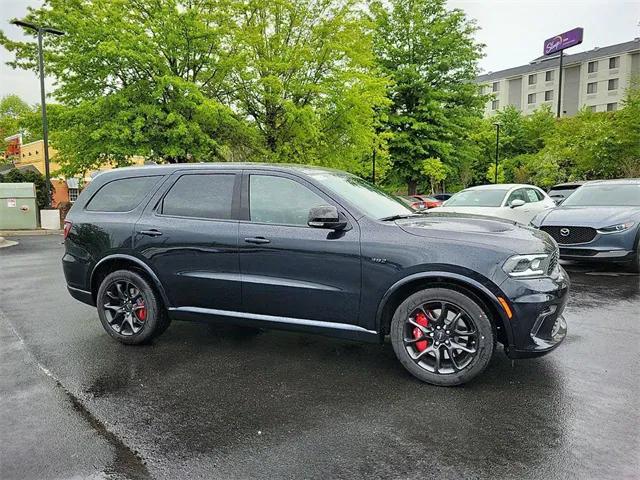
x,y
122,195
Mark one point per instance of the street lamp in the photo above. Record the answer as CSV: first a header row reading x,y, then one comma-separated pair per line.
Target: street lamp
x,y
497,124
40,30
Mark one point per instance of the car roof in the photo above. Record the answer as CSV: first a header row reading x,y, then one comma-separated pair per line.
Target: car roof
x,y
615,181
575,184
501,186
166,169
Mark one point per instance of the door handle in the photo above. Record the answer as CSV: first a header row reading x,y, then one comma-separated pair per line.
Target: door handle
x,y
257,240
151,233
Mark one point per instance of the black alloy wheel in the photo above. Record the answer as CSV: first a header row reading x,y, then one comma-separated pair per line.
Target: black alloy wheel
x,y
129,308
442,336
125,307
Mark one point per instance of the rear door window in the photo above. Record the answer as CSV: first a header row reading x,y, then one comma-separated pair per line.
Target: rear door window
x,y
122,195
200,196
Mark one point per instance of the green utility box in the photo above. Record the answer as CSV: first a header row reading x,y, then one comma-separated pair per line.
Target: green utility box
x,y
18,210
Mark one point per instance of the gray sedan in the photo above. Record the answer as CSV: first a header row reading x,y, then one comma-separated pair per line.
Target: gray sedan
x,y
599,222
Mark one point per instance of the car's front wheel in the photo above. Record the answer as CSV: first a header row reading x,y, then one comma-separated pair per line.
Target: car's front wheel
x,y
442,336
129,308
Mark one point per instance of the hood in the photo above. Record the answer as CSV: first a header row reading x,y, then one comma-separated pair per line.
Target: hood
x,y
595,217
479,230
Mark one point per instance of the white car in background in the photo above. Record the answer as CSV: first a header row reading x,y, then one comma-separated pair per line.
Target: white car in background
x,y
515,202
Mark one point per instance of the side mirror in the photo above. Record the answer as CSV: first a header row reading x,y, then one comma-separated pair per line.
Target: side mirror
x,y
326,216
516,203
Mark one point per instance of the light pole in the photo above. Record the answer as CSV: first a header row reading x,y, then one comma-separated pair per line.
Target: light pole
x,y
40,30
497,124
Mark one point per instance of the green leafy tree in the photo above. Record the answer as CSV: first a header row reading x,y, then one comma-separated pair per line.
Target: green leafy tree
x,y
12,109
431,56
305,75
139,77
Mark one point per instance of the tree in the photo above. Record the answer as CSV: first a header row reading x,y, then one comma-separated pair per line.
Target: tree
x,y
199,80
12,109
305,75
139,77
431,56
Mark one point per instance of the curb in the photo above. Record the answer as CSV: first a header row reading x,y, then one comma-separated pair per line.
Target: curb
x,y
6,243
18,233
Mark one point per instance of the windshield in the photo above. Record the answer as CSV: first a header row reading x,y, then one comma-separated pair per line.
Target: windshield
x,y
605,195
372,201
478,198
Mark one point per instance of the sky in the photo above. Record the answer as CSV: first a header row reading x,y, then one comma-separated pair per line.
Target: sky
x,y
512,30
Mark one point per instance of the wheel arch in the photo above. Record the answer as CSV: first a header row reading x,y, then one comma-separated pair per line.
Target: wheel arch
x,y
115,262
404,287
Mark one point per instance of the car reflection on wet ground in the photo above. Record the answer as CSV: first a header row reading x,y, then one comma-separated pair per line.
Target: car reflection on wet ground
x,y
210,401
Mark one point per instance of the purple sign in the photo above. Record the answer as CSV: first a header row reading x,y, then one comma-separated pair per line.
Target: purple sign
x,y
562,41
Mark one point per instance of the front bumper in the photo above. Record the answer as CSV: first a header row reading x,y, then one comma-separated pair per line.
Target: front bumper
x,y
537,324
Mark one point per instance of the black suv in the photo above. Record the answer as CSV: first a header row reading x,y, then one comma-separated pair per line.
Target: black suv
x,y
312,250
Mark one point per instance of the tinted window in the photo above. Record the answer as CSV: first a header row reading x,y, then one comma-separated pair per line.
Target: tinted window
x,y
122,195
477,198
200,196
280,200
606,195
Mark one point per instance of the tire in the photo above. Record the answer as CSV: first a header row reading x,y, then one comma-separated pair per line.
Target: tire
x,y
127,327
480,337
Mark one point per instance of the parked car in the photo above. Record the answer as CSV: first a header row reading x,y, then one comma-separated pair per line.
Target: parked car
x,y
442,196
316,251
413,202
516,202
600,221
560,192
428,201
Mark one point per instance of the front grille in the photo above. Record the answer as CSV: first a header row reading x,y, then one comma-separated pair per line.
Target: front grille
x,y
553,262
569,235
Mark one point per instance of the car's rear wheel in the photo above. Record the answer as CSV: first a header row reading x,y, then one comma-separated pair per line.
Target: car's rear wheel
x,y
442,336
129,308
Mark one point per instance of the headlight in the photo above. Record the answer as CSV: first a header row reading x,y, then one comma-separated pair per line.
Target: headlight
x,y
523,266
621,227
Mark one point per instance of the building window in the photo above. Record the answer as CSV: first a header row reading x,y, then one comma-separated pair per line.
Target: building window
x,y
496,86
592,87
614,62
531,98
548,95
593,67
548,76
73,194
592,108
612,107
495,104
533,78
613,84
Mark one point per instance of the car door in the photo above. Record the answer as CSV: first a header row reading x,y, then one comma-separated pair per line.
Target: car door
x,y
188,235
538,201
288,268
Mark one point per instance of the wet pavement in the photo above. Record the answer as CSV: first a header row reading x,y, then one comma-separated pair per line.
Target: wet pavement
x,y
208,401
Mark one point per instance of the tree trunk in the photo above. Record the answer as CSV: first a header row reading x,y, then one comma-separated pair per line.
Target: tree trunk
x,y
412,186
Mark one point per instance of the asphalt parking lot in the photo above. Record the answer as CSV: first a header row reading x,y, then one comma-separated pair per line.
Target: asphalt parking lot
x,y
207,401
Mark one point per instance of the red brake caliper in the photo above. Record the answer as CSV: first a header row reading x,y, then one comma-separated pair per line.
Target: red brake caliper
x,y
142,312
420,319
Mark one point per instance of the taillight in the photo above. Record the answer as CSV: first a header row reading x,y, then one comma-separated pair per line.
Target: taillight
x,y
67,229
